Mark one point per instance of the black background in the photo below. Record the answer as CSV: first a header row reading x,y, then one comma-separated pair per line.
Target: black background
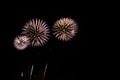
x,y
66,60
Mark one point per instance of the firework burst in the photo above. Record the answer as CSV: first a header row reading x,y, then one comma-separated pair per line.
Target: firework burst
x,y
65,29
21,42
38,32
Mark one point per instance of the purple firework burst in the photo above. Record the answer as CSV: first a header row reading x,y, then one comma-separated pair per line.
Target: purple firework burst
x,y
21,42
38,32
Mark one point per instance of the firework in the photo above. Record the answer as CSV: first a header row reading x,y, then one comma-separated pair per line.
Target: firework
x,y
65,29
38,32
21,42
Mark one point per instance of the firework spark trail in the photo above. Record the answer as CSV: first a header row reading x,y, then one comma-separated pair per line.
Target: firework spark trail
x,y
22,74
38,32
31,72
45,71
21,42
65,29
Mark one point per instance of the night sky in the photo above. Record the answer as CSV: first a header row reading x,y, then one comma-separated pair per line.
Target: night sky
x,y
66,60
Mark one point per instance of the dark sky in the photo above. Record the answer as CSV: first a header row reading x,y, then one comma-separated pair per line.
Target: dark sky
x,y
66,60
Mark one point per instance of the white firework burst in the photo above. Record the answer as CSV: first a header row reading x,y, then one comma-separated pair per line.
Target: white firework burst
x,y
65,29
38,32
21,42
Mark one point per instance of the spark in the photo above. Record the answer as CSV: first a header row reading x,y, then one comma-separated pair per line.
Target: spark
x,y
21,74
31,71
45,71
